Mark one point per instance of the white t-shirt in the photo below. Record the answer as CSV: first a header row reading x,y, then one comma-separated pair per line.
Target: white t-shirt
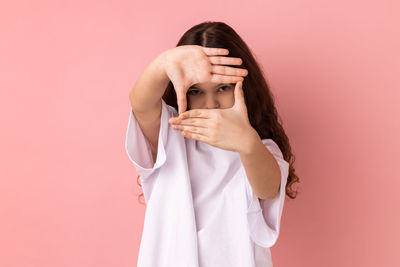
x,y
201,210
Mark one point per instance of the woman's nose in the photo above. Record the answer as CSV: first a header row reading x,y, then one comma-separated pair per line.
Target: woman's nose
x,y
212,103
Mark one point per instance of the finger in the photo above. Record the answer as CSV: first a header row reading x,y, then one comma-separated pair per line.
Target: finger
x,y
197,122
193,129
181,101
196,136
211,51
225,70
225,60
239,94
180,98
216,78
199,113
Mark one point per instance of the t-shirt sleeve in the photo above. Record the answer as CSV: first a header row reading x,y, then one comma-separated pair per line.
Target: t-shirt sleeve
x,y
139,149
264,219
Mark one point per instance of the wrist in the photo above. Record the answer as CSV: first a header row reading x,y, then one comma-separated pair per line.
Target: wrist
x,y
249,142
159,64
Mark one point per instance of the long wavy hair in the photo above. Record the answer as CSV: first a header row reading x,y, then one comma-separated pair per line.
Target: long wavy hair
x,y
262,112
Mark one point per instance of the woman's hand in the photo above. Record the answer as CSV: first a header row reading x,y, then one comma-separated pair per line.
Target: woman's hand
x,y
190,64
227,129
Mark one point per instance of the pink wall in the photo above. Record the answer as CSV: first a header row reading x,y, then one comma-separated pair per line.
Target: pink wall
x,y
68,193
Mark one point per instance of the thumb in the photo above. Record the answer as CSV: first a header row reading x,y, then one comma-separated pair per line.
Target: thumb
x,y
181,101
239,95
180,97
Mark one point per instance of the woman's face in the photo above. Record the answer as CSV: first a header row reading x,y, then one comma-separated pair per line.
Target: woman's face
x,y
210,95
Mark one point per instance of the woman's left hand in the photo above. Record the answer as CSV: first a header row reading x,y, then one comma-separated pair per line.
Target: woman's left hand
x,y
227,129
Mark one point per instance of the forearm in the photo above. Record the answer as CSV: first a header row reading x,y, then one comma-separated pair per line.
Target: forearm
x,y
262,170
150,87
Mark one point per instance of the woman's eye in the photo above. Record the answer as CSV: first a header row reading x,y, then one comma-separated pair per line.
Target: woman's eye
x,y
191,92
225,88
197,92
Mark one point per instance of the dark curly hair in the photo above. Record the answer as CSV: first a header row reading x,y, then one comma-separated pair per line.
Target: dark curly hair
x,y
262,113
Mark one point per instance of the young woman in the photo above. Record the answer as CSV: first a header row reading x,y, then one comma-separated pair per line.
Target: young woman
x,y
215,177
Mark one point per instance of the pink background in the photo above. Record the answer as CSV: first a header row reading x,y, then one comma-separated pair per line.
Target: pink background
x,y
68,193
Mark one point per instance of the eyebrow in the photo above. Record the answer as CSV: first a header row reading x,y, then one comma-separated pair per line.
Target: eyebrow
x,y
195,86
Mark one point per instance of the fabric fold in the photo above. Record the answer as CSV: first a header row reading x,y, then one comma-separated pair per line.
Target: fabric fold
x,y
264,218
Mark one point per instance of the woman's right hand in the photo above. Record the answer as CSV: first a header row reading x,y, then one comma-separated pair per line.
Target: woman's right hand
x,y
190,64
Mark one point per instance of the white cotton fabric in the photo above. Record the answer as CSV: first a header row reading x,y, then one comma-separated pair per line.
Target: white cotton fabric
x,y
201,210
